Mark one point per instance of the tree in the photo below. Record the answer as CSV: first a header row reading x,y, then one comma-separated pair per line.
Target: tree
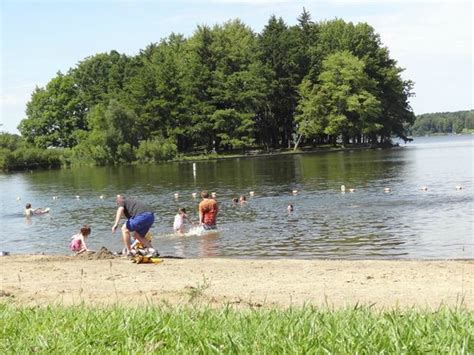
x,y
102,77
223,82
156,92
275,52
54,114
341,102
113,135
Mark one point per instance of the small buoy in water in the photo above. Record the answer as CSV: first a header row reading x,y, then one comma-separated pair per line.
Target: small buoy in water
x,y
252,193
55,197
213,194
194,194
78,197
101,197
458,187
18,198
176,195
387,189
352,190
343,188
295,192
424,188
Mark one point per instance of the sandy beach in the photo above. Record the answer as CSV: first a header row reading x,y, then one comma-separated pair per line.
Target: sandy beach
x,y
43,280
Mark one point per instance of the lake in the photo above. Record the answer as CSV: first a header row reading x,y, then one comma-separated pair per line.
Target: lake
x,y
405,223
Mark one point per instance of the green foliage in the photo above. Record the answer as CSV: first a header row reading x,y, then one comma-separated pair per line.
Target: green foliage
x,y
25,158
341,102
16,154
54,113
277,54
163,329
10,141
102,77
234,128
443,122
225,88
156,150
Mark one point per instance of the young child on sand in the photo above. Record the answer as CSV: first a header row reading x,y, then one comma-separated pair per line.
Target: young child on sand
x,y
78,241
178,225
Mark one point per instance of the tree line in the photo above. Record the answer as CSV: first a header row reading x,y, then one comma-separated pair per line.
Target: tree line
x,y
443,123
225,88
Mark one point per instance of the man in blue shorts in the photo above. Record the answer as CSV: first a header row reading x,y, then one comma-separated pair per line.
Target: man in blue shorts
x,y
140,218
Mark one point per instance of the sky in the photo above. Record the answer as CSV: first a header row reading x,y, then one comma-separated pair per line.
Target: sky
x,y
431,39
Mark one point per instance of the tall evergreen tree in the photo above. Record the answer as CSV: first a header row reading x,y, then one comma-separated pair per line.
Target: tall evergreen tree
x,y
275,44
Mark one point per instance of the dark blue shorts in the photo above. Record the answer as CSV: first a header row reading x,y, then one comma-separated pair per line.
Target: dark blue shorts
x,y
141,223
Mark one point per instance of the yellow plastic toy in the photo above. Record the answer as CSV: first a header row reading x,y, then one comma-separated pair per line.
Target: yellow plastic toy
x,y
140,259
139,245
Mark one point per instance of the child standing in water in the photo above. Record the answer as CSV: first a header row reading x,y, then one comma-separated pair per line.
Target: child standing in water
x,y
178,225
78,241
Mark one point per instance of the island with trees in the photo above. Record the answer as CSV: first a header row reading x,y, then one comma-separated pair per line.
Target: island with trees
x,y
224,89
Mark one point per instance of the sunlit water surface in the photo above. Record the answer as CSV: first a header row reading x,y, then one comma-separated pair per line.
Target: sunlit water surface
x,y
368,223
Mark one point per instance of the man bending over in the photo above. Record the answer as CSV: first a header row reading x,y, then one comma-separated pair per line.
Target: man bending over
x,y
140,218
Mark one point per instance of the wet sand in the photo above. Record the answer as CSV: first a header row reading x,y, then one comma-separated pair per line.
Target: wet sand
x,y
45,280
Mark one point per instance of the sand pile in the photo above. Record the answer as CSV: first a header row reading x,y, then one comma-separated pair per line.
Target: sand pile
x,y
102,254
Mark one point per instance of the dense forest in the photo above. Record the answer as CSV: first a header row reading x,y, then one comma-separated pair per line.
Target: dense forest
x,y
443,123
224,89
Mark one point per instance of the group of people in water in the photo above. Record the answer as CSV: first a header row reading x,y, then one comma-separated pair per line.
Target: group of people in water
x,y
140,218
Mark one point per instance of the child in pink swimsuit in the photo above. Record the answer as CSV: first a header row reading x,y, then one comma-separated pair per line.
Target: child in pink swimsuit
x,y
78,241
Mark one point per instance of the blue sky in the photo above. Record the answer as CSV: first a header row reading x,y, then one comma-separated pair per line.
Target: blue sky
x,y
431,39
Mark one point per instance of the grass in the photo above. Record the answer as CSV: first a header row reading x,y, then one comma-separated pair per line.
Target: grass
x,y
186,330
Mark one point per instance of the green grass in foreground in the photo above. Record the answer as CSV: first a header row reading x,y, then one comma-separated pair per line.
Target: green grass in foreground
x,y
165,329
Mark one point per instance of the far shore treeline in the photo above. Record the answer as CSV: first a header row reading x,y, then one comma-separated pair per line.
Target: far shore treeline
x,y
460,122
225,89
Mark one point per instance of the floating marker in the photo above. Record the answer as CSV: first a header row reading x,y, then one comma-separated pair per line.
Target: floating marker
x,y
18,198
387,189
295,192
78,197
252,193
352,190
424,188
458,187
101,197
343,188
176,195
194,194
213,194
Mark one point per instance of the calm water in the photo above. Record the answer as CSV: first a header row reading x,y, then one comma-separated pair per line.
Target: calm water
x,y
405,223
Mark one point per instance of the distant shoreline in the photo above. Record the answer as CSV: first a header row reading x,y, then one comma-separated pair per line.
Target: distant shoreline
x,y
278,152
